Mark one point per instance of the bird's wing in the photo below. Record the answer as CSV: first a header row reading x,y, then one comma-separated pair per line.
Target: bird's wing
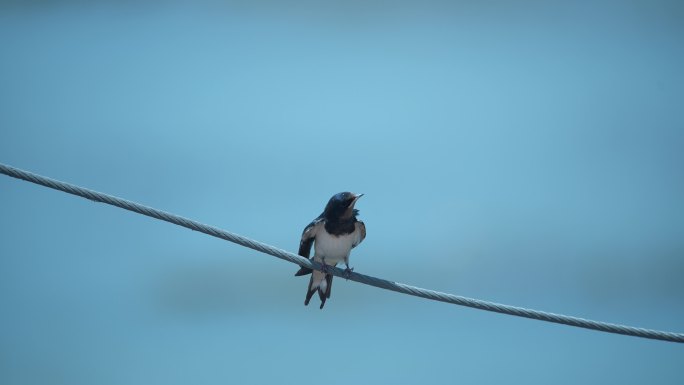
x,y
308,236
361,231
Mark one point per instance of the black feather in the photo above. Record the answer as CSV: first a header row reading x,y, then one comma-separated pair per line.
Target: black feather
x,y
303,271
309,292
328,280
305,245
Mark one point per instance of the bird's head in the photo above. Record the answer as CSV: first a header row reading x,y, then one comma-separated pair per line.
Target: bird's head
x,y
341,206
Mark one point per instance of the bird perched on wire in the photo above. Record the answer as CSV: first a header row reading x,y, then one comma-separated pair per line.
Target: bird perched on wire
x,y
333,234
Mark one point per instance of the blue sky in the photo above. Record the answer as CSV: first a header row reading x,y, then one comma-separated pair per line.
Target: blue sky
x,y
527,153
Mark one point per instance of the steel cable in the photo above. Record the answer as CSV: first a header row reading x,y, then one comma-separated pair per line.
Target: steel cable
x,y
361,278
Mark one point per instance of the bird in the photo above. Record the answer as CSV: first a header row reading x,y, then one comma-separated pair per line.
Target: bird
x,y
333,234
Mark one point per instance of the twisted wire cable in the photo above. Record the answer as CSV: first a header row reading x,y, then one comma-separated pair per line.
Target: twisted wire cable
x,y
361,278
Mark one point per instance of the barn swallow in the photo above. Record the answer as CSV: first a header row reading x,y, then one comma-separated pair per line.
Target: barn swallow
x,y
334,233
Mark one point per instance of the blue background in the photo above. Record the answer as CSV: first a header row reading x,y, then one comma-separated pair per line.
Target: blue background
x,y
528,153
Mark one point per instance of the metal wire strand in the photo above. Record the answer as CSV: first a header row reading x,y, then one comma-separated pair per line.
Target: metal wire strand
x,y
361,278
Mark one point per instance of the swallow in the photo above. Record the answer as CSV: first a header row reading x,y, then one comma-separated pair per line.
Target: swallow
x,y
333,234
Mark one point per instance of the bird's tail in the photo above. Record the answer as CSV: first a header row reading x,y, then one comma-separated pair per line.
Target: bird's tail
x,y
322,283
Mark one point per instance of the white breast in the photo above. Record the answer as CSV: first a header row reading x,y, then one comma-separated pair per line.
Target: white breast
x,y
333,248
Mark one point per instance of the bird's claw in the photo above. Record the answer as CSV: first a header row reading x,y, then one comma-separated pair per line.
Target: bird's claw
x,y
324,268
348,271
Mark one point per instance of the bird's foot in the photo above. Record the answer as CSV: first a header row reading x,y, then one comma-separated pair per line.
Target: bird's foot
x,y
348,271
325,268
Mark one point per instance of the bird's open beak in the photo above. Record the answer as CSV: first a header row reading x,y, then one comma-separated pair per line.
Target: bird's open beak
x,y
357,196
